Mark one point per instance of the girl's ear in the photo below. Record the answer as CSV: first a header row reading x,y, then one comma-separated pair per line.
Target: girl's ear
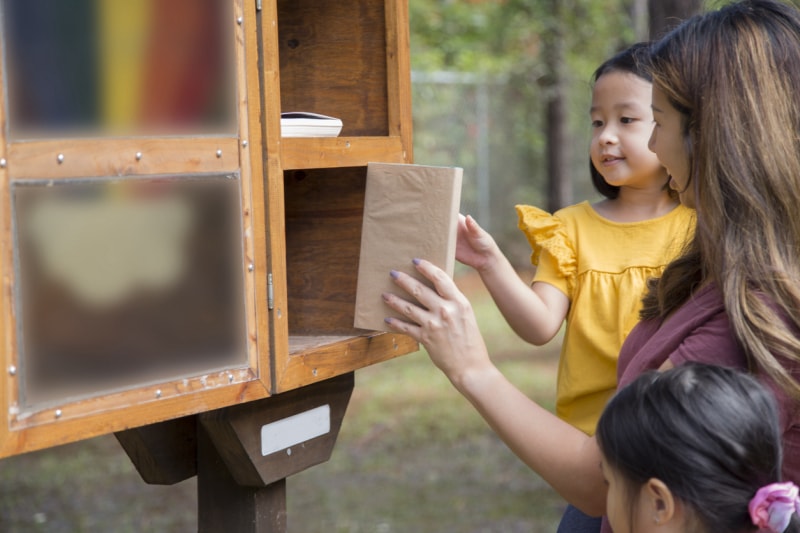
x,y
657,500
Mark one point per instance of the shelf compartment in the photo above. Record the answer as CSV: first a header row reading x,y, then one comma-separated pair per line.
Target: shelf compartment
x,y
323,217
333,61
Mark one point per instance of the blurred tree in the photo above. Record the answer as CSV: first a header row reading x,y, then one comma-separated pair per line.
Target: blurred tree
x,y
640,17
666,14
559,180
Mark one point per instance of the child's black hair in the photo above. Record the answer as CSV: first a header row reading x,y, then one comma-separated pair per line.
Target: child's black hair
x,y
710,433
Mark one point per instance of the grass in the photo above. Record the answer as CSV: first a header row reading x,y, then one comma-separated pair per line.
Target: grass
x,y
412,455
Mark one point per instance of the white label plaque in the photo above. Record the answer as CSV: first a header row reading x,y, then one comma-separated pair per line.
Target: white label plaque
x,y
295,429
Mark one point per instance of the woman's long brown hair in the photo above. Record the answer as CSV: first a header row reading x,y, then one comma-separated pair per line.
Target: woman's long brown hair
x,y
734,74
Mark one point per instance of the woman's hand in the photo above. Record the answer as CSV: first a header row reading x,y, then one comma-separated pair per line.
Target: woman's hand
x,y
444,322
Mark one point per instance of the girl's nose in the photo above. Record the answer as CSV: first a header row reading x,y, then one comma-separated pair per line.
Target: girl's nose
x,y
607,135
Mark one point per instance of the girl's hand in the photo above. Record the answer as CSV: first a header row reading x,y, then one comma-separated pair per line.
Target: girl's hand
x,y
444,322
474,246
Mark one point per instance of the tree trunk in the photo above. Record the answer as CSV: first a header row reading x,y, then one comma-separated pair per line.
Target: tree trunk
x,y
666,14
559,185
639,16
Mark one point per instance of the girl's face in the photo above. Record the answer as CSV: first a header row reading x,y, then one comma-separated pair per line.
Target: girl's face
x,y
667,142
622,121
623,512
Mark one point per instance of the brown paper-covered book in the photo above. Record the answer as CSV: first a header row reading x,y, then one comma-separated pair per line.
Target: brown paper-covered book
x,y
410,211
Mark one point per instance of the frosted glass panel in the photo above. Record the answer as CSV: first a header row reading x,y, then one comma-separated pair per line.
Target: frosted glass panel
x,y
119,67
122,282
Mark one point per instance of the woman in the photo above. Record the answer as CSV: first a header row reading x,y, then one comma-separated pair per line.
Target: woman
x,y
728,131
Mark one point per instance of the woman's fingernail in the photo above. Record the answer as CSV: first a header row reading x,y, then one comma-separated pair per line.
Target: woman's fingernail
x,y
394,273
387,320
385,297
415,261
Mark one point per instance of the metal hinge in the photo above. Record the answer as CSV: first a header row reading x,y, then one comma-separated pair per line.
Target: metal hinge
x,y
270,295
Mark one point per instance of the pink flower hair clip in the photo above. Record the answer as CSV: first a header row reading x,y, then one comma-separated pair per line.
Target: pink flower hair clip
x,y
773,506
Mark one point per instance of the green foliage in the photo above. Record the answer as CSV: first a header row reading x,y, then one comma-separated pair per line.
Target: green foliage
x,y
502,44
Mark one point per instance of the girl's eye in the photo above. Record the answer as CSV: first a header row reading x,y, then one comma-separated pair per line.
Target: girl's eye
x,y
627,120
597,123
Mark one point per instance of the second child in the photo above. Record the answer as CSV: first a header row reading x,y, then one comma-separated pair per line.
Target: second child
x,y
696,448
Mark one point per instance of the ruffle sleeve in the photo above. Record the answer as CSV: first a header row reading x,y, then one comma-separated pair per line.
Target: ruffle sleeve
x,y
545,233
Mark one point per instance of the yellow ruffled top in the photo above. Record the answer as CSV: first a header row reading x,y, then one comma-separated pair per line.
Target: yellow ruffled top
x,y
602,266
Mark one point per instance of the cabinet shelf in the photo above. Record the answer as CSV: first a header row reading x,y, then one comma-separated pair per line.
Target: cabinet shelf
x,y
316,357
332,152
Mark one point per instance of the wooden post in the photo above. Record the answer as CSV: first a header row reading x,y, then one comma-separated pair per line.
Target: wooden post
x,y
225,505
163,453
243,454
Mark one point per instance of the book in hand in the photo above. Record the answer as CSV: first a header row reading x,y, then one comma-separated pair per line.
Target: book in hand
x,y
306,124
410,211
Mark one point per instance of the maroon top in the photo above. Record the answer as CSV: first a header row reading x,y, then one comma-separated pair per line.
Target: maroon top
x,y
699,331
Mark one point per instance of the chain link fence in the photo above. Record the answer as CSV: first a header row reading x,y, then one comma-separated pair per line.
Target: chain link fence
x,y
495,132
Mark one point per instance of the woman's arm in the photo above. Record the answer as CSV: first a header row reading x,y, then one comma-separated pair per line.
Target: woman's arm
x,y
445,324
535,314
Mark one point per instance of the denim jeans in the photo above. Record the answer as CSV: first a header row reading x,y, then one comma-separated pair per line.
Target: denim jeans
x,y
574,521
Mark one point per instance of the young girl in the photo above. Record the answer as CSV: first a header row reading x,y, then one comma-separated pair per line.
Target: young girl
x,y
695,449
593,260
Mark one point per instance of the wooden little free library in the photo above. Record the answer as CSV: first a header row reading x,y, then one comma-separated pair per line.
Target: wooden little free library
x,y
174,271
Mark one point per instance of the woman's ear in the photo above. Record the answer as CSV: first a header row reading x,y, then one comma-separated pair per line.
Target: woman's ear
x,y
657,500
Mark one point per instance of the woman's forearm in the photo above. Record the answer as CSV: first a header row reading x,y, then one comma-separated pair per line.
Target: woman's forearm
x,y
441,318
562,455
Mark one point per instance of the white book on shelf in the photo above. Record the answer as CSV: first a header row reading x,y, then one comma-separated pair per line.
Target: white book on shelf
x,y
307,124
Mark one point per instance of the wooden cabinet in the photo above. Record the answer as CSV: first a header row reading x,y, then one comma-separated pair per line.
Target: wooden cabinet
x,y
164,251
349,60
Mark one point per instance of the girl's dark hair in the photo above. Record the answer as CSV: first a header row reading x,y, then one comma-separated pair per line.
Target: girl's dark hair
x,y
710,433
632,60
